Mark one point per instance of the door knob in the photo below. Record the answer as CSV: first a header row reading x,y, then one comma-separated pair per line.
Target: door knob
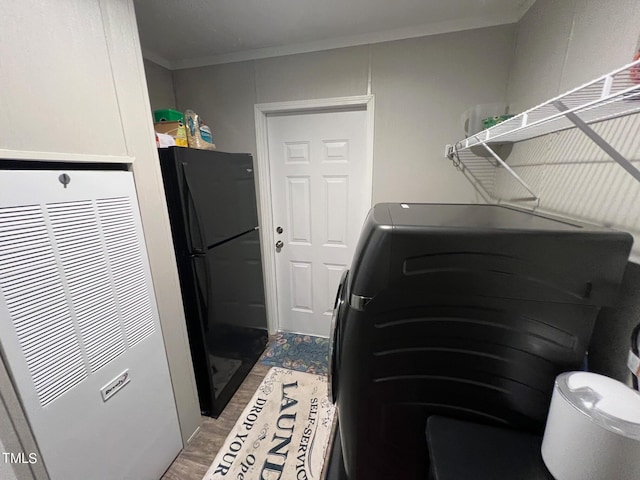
x,y
279,244
279,230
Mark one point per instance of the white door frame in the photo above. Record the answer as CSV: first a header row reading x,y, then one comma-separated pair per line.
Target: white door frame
x,y
265,212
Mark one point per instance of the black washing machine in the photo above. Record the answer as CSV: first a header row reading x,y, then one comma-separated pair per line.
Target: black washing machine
x,y
465,311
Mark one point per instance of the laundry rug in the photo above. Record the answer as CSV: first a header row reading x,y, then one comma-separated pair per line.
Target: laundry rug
x,y
282,434
303,353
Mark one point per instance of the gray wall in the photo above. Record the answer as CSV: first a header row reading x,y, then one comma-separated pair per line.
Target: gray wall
x,y
160,86
421,88
561,45
16,435
582,40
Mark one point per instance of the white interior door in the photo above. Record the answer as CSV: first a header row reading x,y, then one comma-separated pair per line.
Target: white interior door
x,y
320,197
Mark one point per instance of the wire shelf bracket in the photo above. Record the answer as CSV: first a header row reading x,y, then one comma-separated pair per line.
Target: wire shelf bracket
x,y
599,141
614,95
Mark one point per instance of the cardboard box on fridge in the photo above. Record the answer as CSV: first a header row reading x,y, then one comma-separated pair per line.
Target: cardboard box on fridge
x,y
175,129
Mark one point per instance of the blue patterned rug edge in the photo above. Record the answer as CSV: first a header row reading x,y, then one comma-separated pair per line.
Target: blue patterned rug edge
x,y
302,353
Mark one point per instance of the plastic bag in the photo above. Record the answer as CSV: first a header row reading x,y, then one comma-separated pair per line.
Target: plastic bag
x,y
198,134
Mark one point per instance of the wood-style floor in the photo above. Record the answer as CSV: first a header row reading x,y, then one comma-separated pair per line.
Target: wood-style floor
x,y
194,461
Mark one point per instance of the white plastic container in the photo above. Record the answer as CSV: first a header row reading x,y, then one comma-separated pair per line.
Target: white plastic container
x,y
593,429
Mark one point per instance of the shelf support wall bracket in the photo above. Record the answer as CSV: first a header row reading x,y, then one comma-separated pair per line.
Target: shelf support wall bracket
x,y
512,172
598,140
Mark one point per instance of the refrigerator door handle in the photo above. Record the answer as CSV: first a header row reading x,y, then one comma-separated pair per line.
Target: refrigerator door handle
x,y
190,201
199,252
203,297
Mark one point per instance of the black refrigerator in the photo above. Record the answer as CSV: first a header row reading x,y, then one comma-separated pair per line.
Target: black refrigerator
x,y
214,223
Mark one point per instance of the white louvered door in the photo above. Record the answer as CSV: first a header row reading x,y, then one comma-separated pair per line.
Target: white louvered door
x,y
79,328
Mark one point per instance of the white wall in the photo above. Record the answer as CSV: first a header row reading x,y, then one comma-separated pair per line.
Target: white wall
x,y
224,97
562,44
57,92
160,86
421,86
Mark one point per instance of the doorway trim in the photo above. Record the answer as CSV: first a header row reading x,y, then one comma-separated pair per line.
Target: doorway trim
x,y
262,112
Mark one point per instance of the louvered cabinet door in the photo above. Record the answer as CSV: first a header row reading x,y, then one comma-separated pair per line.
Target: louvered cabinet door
x,y
79,327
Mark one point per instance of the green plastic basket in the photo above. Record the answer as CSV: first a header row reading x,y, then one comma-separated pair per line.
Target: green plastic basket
x,y
168,115
491,121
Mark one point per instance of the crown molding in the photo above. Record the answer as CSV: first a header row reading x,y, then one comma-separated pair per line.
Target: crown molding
x,y
157,59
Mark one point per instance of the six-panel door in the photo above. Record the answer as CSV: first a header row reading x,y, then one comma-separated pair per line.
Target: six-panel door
x,y
320,199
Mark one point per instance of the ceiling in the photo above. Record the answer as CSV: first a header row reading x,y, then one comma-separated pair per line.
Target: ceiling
x,y
183,34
